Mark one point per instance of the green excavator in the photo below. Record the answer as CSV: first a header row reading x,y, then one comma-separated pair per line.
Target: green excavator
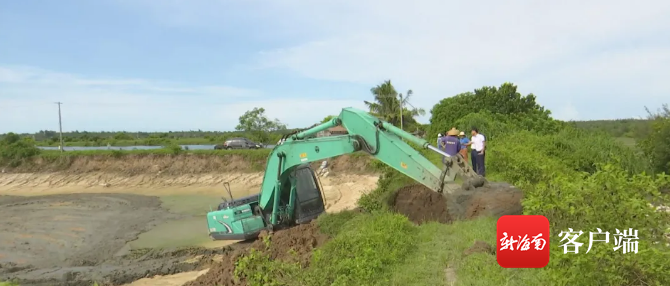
x,y
291,193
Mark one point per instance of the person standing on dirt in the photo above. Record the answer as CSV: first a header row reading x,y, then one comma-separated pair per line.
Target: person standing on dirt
x,y
451,143
464,145
478,153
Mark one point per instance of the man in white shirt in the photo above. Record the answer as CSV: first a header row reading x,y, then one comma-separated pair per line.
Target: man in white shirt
x,y
478,153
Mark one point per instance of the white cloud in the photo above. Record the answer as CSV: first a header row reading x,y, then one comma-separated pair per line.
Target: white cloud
x,y
599,49
28,96
567,50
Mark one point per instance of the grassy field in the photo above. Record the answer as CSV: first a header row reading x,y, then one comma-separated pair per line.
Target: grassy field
x,y
439,252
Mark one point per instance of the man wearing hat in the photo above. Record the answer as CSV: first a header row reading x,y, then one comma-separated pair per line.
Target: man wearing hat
x,y
451,143
439,140
464,145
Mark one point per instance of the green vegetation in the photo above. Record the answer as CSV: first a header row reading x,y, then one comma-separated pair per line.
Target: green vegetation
x,y
387,105
124,138
577,178
657,144
253,125
626,128
15,150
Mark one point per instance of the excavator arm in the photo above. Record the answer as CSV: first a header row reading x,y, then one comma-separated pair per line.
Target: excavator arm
x,y
290,192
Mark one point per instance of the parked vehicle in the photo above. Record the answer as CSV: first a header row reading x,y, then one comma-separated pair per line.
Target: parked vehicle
x,y
238,143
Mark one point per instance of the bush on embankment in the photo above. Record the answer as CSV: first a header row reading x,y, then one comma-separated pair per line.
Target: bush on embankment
x,y
587,181
577,179
169,160
15,150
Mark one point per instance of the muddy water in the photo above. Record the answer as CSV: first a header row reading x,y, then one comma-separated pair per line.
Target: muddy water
x,y
75,239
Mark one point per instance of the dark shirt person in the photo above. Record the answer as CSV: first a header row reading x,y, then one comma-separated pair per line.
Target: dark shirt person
x,y
451,143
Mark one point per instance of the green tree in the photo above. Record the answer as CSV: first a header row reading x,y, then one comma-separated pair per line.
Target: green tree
x,y
502,100
328,118
256,122
387,102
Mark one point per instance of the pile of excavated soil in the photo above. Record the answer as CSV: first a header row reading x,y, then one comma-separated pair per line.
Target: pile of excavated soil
x,y
494,199
421,204
291,245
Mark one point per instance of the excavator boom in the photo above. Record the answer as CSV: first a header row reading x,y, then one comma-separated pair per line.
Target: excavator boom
x,y
290,192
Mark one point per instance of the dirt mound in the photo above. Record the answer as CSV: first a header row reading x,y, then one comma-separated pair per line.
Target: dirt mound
x,y
421,204
493,199
294,245
291,245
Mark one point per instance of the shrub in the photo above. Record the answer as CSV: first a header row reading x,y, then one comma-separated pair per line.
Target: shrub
x,y
657,144
332,224
174,148
15,150
532,158
361,254
257,269
609,199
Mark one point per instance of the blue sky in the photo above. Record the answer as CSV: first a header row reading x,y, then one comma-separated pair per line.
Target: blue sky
x,y
143,65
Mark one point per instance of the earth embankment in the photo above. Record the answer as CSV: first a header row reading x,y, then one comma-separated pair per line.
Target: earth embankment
x,y
152,162
114,218
134,172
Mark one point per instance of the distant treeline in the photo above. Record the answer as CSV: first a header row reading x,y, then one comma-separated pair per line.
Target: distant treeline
x,y
629,128
124,138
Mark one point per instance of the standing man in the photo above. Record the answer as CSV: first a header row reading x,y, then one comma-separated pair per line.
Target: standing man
x,y
464,145
451,143
439,140
478,143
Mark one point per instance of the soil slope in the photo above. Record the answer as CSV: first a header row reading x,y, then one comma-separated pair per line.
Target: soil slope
x,y
167,164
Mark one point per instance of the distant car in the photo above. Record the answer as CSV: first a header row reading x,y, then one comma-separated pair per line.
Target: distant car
x,y
238,143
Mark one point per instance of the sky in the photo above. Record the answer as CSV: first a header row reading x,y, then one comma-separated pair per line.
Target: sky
x,y
161,65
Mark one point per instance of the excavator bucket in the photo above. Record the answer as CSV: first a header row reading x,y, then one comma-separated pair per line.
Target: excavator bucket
x,y
456,165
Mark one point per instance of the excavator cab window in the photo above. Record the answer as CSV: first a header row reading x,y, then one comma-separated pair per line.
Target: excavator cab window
x,y
309,201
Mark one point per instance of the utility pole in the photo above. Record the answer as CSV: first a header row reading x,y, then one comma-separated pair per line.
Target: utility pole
x,y
60,125
400,111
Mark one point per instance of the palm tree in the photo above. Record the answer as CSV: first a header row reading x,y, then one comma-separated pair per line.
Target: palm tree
x,y
387,102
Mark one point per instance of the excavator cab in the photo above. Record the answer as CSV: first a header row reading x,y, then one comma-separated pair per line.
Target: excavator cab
x,y
309,202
